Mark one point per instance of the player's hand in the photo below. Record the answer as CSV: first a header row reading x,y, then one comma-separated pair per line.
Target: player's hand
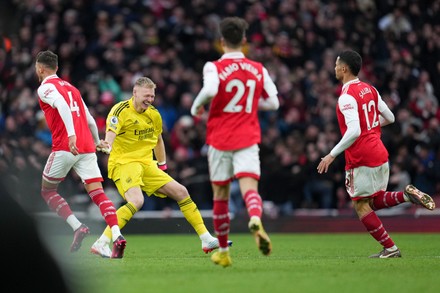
x,y
325,163
73,149
104,147
197,111
72,145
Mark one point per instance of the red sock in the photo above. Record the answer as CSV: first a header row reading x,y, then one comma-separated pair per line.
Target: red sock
x,y
56,203
387,199
106,206
221,221
375,227
253,203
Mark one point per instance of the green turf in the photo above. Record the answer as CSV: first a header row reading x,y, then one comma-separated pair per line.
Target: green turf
x,y
299,263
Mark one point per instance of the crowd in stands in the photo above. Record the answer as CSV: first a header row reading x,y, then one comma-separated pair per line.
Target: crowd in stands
x,y
104,45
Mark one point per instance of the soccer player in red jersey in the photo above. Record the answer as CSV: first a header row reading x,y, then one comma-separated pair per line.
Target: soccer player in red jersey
x,y
361,113
74,141
236,88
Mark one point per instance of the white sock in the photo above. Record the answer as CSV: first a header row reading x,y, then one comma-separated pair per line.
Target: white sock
x,y
223,249
116,232
206,237
104,239
73,222
393,248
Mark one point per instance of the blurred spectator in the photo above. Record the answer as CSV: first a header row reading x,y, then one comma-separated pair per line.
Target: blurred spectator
x,y
318,190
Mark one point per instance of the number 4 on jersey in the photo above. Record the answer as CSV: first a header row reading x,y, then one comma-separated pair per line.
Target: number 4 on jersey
x,y
73,104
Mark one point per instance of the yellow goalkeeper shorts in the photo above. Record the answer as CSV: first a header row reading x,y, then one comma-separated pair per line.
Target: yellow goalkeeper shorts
x,y
148,177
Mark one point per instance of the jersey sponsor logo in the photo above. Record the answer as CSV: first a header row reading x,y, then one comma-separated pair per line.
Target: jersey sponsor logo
x,y
144,133
347,107
47,92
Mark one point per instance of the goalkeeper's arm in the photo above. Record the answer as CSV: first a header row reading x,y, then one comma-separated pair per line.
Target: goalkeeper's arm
x,y
105,145
160,154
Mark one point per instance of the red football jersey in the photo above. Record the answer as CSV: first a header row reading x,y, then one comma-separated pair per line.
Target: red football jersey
x,y
55,88
368,149
233,115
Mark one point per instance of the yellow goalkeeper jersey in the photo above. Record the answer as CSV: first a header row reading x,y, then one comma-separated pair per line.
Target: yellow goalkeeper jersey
x,y
136,134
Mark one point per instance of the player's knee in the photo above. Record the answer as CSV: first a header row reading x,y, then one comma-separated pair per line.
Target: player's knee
x,y
180,192
136,201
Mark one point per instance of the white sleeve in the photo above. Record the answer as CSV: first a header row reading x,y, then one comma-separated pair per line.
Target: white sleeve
x,y
272,102
386,116
92,125
210,87
348,106
49,94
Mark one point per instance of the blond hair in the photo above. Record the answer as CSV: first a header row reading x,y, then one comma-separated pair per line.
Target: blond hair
x,y
145,82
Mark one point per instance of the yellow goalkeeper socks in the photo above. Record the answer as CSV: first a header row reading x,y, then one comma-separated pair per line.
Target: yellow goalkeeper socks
x,y
124,213
192,215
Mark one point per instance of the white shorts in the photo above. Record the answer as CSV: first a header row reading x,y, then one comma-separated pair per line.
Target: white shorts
x,y
225,165
363,182
60,163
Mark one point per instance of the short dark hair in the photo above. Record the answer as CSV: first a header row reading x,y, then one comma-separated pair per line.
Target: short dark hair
x,y
48,59
233,30
352,59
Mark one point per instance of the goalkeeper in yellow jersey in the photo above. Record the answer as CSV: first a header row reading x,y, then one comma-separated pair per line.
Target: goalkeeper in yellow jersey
x,y
133,133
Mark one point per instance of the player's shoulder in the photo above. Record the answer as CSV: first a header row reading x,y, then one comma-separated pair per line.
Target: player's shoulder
x,y
119,108
45,89
252,61
153,110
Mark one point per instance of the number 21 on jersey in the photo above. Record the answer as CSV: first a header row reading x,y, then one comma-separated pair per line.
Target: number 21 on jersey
x,y
240,87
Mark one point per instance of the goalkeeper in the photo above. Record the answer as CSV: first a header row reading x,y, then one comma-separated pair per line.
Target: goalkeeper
x,y
134,134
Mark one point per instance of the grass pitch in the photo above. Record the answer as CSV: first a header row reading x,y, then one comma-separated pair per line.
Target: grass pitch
x,y
299,263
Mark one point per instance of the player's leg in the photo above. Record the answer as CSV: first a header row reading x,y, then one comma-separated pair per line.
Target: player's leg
x,y
190,211
160,184
88,170
221,175
386,199
132,193
109,213
361,183
57,166
247,169
376,229
221,221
